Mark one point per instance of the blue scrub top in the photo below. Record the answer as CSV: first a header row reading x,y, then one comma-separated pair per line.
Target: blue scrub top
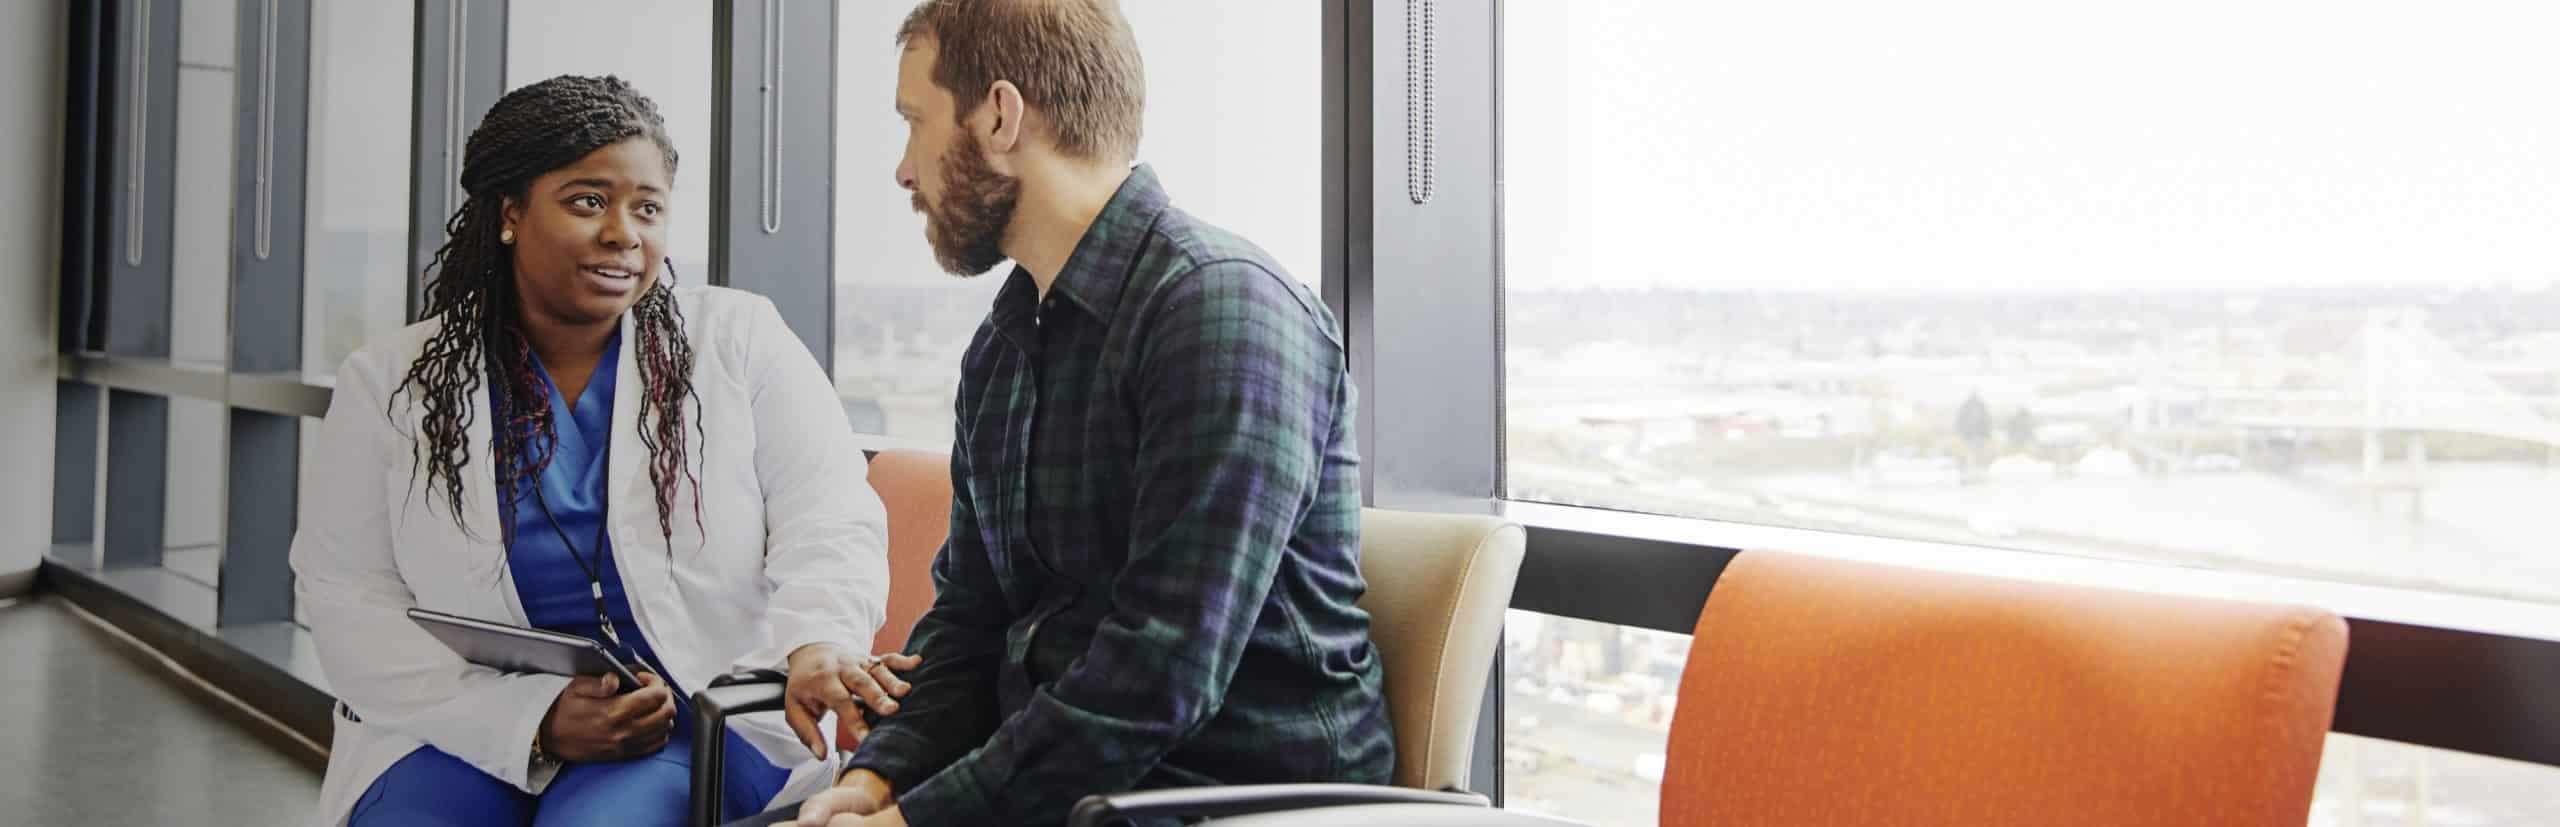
x,y
549,580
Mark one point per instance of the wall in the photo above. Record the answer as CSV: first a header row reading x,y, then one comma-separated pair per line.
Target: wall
x,y
31,64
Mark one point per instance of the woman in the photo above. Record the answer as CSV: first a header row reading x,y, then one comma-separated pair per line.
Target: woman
x,y
571,442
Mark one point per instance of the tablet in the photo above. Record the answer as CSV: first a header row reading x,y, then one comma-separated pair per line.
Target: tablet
x,y
518,649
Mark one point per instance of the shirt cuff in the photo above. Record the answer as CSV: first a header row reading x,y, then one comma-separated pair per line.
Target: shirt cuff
x,y
951,798
892,754
525,774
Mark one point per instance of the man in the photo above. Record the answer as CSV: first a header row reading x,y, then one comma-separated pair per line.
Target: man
x,y
1153,561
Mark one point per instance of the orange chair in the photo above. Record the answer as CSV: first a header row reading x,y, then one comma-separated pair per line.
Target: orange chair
x,y
1821,691
1827,692
915,487
915,490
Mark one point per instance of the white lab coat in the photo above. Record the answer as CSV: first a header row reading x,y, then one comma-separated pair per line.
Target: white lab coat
x,y
795,551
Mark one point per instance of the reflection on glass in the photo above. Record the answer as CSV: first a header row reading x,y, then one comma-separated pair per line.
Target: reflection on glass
x,y
1976,272
663,47
1233,113
1587,717
355,259
200,189
191,526
200,282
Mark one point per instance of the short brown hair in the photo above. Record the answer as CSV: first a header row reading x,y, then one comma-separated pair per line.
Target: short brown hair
x,y
1075,61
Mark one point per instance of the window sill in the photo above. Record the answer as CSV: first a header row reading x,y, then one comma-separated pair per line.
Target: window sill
x,y
1566,528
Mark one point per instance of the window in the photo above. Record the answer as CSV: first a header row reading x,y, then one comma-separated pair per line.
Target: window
x,y
2033,276
200,261
200,281
1586,717
1232,131
355,276
663,47
1880,277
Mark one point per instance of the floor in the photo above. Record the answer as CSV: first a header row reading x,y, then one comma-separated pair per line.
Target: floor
x,y
99,732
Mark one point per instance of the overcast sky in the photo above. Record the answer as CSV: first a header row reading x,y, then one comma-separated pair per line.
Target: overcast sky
x,y
1989,143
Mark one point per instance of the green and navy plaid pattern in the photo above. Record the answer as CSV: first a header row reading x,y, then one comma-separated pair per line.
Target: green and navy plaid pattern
x,y
1154,551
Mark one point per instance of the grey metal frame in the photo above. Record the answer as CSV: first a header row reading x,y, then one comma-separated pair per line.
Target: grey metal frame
x,y
272,115
84,157
76,410
137,478
1406,271
267,291
143,101
1423,308
461,69
773,69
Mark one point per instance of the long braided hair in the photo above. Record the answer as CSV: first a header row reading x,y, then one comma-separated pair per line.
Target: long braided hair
x,y
531,131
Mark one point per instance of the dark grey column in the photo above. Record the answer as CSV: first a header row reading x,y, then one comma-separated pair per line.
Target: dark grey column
x,y
85,98
75,461
773,157
461,71
256,583
137,478
143,79
1431,292
273,106
1412,256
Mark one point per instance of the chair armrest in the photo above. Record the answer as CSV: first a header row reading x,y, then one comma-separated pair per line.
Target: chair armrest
x,y
1215,802
736,694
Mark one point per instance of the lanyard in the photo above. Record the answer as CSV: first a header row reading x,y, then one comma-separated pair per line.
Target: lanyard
x,y
595,579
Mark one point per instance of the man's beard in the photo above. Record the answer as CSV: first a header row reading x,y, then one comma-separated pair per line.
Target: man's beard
x,y
967,231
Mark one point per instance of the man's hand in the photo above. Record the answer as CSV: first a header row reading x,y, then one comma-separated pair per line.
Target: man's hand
x,y
825,677
858,794
884,818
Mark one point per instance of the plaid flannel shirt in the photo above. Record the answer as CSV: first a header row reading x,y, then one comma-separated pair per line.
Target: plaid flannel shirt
x,y
1154,551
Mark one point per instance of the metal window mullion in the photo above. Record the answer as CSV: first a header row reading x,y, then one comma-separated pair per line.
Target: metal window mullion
x,y
268,294
1409,256
459,70
773,96
257,577
137,479
273,106
84,120
76,409
143,104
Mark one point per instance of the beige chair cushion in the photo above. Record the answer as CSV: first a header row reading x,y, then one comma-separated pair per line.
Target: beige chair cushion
x,y
1438,584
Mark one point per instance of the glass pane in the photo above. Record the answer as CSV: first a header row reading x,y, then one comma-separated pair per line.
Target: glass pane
x,y
308,465
1586,717
193,519
2029,275
1232,130
663,47
200,242
356,228
2369,783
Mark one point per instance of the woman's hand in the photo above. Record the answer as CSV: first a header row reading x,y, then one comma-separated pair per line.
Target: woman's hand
x,y
590,723
827,677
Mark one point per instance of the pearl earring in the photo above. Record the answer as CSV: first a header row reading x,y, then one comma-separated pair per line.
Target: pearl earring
x,y
506,236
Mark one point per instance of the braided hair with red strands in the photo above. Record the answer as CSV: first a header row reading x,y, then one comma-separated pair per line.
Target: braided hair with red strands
x,y
531,131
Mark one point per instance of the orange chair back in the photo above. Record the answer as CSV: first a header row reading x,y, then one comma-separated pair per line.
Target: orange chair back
x,y
915,488
1823,691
